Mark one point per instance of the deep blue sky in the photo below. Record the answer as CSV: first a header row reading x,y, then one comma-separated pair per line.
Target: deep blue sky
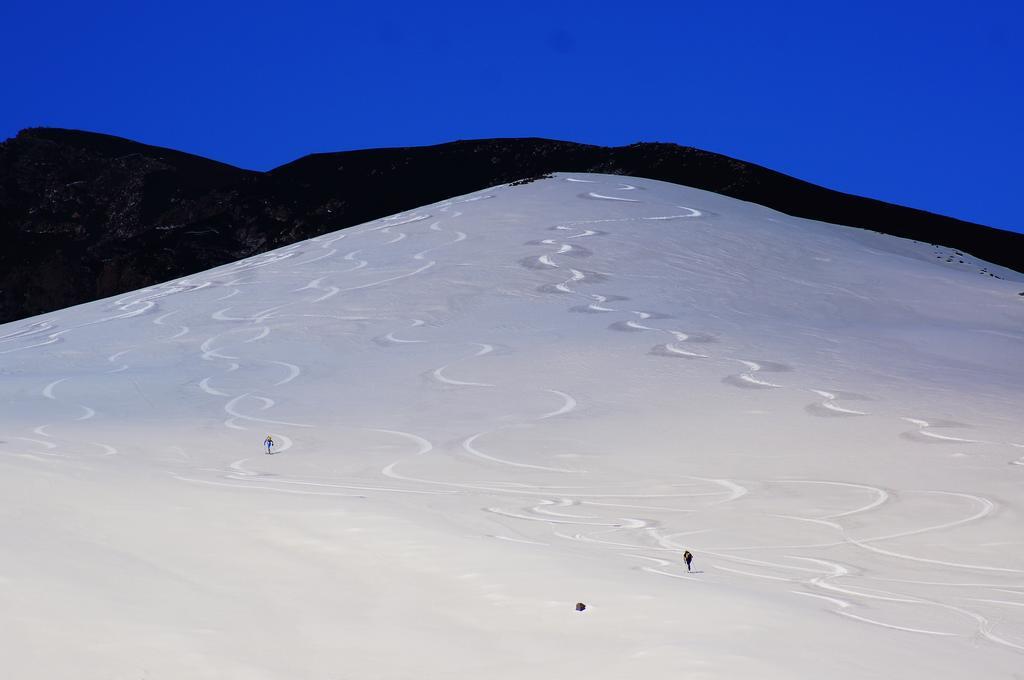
x,y
919,103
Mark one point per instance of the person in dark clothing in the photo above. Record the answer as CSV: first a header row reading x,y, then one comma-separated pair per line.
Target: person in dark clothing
x,y
687,557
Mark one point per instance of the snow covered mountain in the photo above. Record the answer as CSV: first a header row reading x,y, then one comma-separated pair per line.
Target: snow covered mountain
x,y
491,408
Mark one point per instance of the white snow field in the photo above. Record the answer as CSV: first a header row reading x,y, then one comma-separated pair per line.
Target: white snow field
x,y
497,406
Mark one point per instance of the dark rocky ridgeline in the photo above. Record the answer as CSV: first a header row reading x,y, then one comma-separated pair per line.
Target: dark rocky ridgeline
x,y
84,215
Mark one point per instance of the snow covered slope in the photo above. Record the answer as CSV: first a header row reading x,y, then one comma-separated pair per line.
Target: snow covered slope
x,y
492,408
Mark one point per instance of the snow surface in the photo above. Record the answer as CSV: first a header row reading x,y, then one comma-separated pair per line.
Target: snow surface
x,y
494,407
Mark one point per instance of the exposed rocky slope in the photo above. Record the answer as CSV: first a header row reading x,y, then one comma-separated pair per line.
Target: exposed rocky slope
x,y
85,215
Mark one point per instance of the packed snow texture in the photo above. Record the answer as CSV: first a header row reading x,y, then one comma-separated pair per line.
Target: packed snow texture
x,y
489,409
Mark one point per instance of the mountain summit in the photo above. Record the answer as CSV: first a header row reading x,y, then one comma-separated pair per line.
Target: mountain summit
x,y
85,216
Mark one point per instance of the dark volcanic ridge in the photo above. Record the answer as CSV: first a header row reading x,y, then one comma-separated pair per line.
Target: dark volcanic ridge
x,y
85,216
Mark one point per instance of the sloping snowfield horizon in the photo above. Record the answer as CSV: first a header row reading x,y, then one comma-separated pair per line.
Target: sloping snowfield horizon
x,y
493,407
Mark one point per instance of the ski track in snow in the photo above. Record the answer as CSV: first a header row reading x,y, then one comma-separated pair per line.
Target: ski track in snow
x,y
835,571
294,372
568,406
114,357
603,197
182,330
596,302
749,380
232,406
924,434
468,447
240,475
136,304
829,407
438,373
56,446
390,339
